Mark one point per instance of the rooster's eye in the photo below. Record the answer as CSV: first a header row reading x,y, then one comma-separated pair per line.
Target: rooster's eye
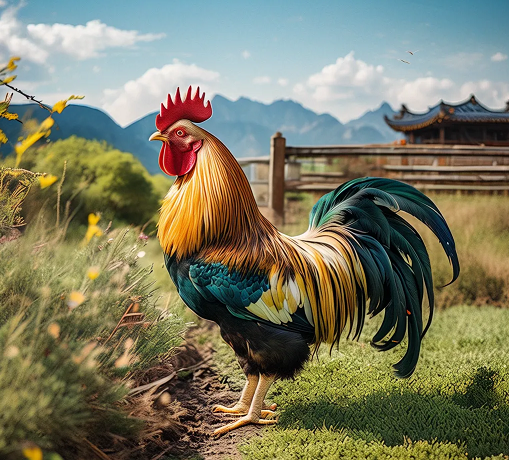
x,y
179,132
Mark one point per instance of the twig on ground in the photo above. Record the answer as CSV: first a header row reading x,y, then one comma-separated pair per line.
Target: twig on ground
x,y
157,457
162,381
100,454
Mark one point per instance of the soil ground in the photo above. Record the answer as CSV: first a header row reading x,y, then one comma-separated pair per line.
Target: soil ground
x,y
193,392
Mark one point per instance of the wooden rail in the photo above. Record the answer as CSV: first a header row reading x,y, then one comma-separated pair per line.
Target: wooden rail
x,y
443,168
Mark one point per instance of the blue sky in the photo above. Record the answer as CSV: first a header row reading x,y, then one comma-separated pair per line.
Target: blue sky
x,y
332,56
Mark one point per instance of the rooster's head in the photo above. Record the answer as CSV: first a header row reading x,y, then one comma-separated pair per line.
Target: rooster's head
x,y
181,138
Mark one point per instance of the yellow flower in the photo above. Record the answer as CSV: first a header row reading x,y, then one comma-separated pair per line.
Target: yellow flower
x,y
93,228
32,453
75,299
11,66
54,330
93,273
43,130
93,219
8,80
60,105
47,180
46,124
11,351
21,147
123,360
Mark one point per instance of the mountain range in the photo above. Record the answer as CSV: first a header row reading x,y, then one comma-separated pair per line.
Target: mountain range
x,y
244,126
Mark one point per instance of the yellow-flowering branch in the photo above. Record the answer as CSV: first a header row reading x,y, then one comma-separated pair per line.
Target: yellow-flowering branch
x,y
30,98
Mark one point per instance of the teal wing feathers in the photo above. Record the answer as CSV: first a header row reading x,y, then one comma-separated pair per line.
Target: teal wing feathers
x,y
249,296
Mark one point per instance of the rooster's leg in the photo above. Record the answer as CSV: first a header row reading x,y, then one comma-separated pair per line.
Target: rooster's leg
x,y
244,403
255,412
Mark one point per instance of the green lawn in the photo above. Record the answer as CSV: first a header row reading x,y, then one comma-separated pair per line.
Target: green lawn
x,y
456,405
348,404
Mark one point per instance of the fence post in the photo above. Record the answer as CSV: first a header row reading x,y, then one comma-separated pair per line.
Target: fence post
x,y
277,178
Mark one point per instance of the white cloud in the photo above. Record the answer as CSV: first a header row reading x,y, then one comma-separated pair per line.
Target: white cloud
x,y
84,42
96,69
246,54
145,94
282,81
12,42
38,42
350,86
498,57
263,80
490,93
420,93
346,71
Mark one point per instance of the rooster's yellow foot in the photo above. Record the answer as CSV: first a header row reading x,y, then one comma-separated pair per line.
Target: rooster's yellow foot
x,y
245,420
240,409
235,410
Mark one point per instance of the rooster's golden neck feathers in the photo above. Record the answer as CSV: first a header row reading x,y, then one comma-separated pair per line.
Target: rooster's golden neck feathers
x,y
212,209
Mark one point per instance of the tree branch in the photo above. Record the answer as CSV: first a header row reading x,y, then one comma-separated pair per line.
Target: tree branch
x,y
30,98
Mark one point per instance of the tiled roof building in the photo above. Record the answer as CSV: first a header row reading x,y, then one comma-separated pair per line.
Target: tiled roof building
x,y
468,122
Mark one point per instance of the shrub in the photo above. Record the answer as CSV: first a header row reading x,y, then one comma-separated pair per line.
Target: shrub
x,y
98,178
76,320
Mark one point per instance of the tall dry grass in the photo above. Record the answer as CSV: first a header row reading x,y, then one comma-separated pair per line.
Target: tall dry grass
x,y
480,225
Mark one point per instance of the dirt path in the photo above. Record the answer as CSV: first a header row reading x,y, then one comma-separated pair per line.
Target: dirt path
x,y
198,395
193,393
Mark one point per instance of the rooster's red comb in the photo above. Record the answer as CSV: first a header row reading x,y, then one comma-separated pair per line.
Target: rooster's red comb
x,y
191,109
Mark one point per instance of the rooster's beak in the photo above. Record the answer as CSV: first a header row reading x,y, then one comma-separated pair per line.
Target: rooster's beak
x,y
157,136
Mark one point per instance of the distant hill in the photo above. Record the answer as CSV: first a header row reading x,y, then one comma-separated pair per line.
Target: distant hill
x,y
244,126
81,121
374,119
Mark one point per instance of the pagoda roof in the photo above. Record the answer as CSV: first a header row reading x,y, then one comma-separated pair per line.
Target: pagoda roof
x,y
469,111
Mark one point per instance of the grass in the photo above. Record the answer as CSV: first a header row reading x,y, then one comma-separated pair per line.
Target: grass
x,y
480,225
348,404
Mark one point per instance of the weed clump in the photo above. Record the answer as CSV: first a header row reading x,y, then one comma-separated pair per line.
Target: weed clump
x,y
77,320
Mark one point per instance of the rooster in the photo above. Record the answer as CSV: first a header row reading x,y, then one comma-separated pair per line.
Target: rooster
x,y
276,297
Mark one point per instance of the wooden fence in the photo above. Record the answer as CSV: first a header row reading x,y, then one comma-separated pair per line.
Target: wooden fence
x,y
318,170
